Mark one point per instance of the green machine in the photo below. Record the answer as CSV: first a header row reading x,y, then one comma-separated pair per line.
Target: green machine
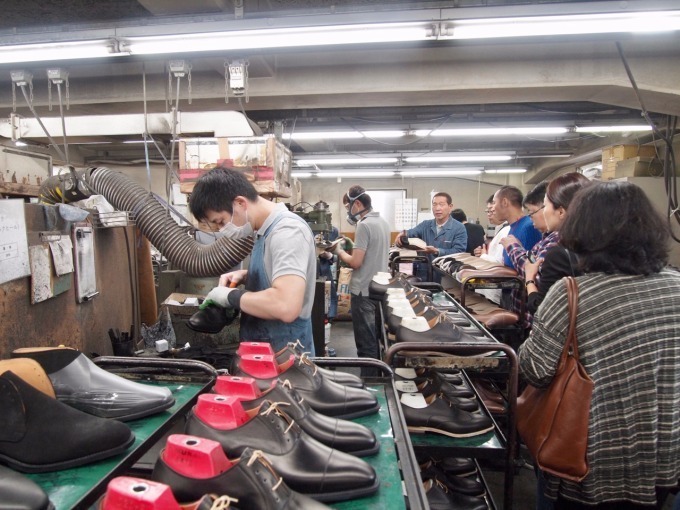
x,y
318,216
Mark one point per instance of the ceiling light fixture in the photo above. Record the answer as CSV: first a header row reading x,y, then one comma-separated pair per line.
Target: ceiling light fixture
x,y
301,175
613,129
281,38
344,161
504,131
609,23
427,172
506,171
323,135
458,158
355,173
54,51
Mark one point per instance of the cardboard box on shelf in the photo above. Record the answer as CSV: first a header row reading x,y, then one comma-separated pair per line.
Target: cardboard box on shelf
x,y
638,167
263,159
612,155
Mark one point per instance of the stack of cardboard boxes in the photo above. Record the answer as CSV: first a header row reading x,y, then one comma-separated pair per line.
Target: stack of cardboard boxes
x,y
263,159
630,161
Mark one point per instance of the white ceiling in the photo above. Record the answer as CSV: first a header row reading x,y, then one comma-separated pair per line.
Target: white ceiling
x,y
550,81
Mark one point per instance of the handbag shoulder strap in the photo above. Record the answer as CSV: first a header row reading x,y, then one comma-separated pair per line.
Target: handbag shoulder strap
x,y
572,301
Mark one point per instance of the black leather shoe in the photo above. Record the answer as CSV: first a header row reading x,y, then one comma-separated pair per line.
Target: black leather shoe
x,y
324,396
40,434
458,484
456,466
18,492
212,319
440,498
126,492
450,393
80,383
306,465
378,286
194,466
440,332
343,435
441,417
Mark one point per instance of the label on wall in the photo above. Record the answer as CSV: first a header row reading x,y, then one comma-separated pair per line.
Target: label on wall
x,y
14,262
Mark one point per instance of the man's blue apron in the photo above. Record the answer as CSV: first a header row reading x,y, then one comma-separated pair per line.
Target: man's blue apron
x,y
276,332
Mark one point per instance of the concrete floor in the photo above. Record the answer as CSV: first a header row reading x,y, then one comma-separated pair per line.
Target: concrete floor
x,y
342,340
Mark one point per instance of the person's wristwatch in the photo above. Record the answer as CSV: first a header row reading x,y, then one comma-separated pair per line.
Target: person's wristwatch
x,y
526,283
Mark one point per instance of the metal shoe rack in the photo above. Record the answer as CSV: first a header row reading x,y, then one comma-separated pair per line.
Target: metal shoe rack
x,y
469,358
83,487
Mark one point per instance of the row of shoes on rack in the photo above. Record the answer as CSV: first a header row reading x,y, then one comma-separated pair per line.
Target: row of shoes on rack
x,y
59,411
411,315
279,430
439,403
452,483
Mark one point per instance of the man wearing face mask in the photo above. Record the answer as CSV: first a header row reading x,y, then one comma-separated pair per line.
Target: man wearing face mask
x,y
276,305
369,256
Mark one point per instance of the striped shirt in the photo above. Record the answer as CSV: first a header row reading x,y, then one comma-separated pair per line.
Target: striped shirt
x,y
628,331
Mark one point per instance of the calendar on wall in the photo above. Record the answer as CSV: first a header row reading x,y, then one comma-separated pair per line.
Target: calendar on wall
x,y
405,213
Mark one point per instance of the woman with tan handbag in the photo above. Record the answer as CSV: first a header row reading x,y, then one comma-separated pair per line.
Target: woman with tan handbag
x,y
628,337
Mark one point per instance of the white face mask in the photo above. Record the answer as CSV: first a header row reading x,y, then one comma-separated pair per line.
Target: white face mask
x,y
233,232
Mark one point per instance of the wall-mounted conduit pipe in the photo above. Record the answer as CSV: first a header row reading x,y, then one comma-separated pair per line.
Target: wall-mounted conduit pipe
x,y
152,220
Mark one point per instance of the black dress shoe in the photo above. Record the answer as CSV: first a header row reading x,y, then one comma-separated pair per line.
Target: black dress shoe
x,y
440,332
212,319
440,498
188,466
306,465
457,484
343,435
457,466
441,385
430,387
338,376
126,492
80,383
40,434
377,287
324,396
441,417
18,492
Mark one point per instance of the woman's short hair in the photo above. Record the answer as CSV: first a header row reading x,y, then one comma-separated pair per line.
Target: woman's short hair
x,y
613,228
561,190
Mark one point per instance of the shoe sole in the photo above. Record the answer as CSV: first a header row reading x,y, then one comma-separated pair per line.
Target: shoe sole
x,y
331,497
358,414
364,453
67,464
422,430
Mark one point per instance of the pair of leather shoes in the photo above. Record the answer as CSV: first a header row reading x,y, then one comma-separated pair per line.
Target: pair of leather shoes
x,y
40,434
194,466
78,382
212,319
295,349
125,492
322,395
18,492
306,465
492,398
458,484
440,498
440,416
343,435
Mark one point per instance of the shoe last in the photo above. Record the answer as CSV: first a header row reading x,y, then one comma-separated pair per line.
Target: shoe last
x,y
31,372
193,466
305,464
343,435
18,492
80,383
40,434
324,396
129,493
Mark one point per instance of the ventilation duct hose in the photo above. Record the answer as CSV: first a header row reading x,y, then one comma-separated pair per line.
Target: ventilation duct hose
x,y
160,228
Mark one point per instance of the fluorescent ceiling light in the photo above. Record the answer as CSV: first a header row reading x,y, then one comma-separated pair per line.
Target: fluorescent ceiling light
x,y
506,171
56,51
323,135
301,175
493,131
355,173
634,22
461,158
384,134
439,173
613,129
345,161
280,38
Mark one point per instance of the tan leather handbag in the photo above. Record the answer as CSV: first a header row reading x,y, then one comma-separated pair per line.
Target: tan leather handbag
x,y
553,421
